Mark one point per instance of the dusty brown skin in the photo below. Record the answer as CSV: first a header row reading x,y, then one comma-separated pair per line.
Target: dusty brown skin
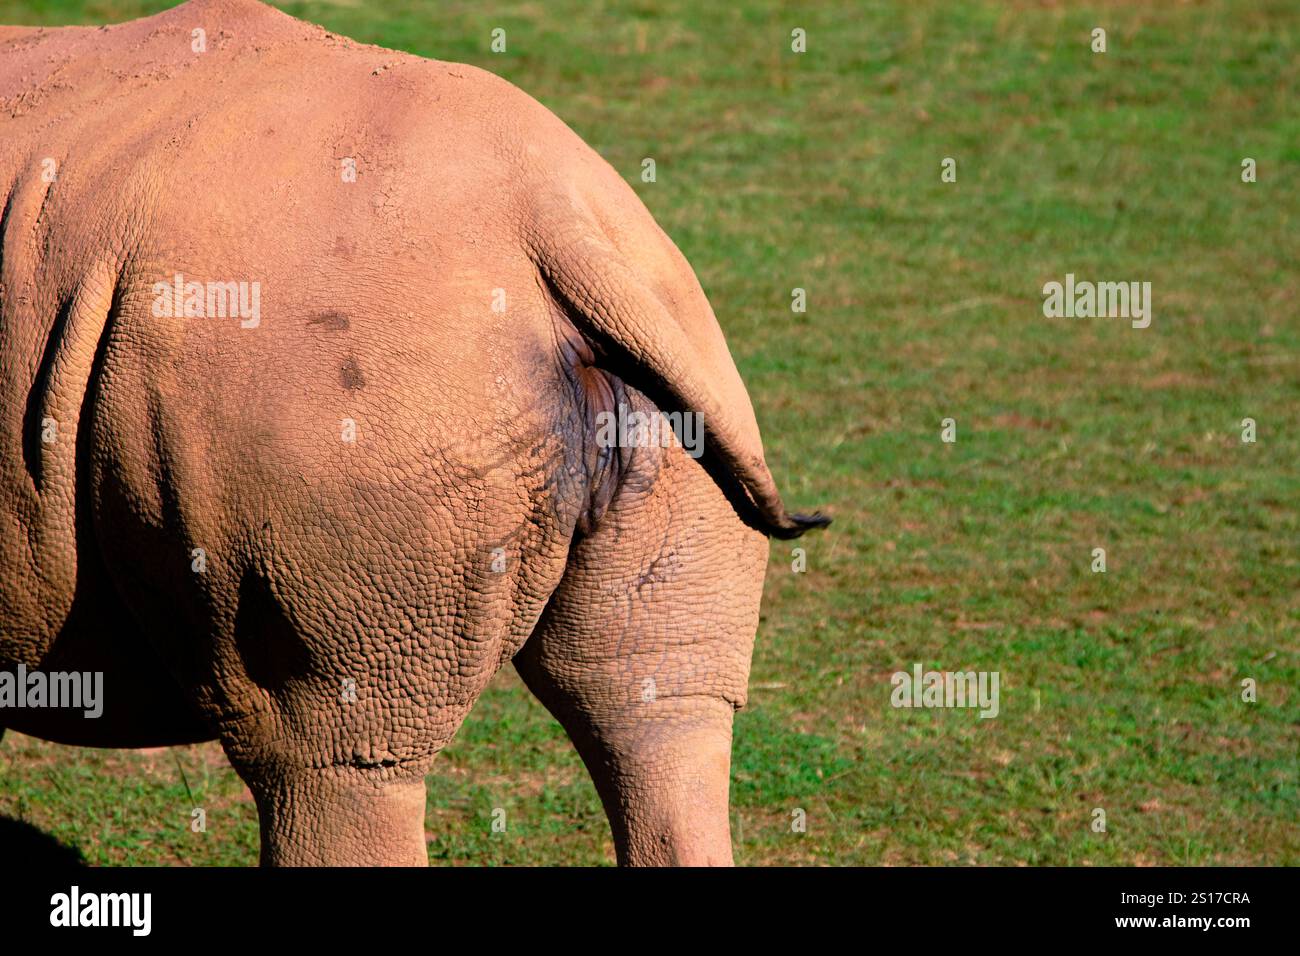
x,y
368,564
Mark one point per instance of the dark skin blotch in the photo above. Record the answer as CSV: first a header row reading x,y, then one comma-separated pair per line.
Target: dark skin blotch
x,y
333,321
350,374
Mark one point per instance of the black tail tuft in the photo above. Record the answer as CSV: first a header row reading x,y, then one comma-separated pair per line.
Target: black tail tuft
x,y
795,525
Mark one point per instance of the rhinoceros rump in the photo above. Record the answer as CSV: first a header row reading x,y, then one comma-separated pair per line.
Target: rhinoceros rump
x,y
316,536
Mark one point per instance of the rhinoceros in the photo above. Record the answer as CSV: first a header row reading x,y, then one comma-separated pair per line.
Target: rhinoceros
x,y
325,378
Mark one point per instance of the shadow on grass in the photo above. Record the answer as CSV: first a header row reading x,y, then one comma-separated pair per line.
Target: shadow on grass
x,y
22,841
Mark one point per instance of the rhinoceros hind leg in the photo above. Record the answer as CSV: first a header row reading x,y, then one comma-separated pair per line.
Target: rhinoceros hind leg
x,y
339,817
643,656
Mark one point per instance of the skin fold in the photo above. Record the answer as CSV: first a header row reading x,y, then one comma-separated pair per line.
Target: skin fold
x,y
181,507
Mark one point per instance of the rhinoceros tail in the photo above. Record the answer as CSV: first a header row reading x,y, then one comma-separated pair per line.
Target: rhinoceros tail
x,y
653,326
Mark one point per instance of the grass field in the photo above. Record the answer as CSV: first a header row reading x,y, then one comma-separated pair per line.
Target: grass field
x,y
821,170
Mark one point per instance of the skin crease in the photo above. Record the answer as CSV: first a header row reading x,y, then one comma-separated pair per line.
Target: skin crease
x,y
197,527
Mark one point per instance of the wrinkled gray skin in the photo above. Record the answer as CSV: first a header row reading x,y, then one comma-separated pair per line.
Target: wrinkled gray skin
x,y
349,614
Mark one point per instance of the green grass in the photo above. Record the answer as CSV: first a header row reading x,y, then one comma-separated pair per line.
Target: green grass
x,y
775,170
